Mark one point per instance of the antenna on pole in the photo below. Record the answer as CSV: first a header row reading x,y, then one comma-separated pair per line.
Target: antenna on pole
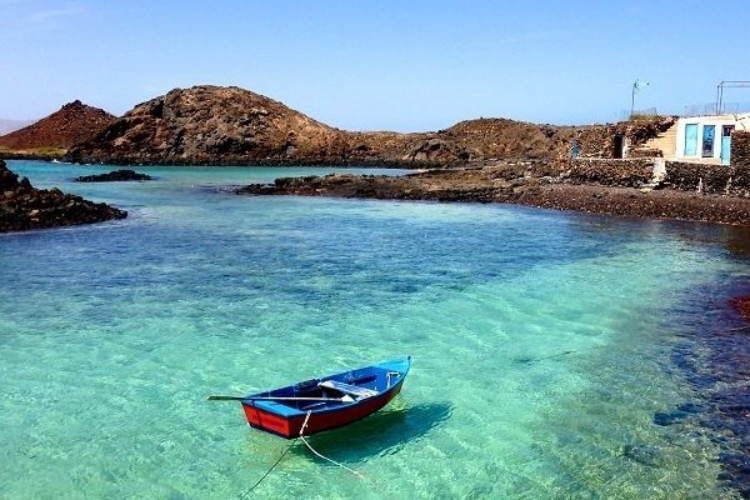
x,y
637,85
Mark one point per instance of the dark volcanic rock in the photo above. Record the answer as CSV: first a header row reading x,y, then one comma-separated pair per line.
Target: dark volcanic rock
x,y
521,183
607,172
741,150
23,207
479,185
75,122
115,176
437,150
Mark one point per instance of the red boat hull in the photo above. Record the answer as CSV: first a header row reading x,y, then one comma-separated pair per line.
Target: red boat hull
x,y
291,427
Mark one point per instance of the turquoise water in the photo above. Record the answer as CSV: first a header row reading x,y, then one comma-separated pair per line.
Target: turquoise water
x,y
542,345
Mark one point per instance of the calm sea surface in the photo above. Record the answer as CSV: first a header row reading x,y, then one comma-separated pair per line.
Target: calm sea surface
x,y
543,345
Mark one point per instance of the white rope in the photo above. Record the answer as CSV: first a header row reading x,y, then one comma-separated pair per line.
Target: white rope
x,y
268,471
302,430
318,454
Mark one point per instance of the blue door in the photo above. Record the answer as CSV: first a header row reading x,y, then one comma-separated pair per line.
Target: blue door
x,y
691,139
726,143
709,131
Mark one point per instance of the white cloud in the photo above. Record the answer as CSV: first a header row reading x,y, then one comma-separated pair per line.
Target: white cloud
x,y
66,10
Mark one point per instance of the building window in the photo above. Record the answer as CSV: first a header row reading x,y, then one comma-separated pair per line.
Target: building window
x,y
709,131
691,139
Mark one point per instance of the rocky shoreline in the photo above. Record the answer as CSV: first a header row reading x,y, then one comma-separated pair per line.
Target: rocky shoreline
x,y
537,184
31,155
23,207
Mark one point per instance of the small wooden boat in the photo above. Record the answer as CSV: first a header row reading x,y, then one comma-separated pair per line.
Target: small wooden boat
x,y
327,403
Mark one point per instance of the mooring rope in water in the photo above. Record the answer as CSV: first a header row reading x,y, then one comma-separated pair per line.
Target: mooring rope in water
x,y
355,472
320,455
553,356
269,470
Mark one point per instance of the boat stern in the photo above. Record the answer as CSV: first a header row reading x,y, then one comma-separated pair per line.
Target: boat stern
x,y
285,426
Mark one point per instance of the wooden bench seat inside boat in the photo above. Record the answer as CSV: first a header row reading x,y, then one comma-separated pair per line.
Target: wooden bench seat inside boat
x,y
351,390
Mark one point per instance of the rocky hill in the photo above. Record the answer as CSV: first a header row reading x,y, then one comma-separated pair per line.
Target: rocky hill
x,y
75,122
208,124
229,125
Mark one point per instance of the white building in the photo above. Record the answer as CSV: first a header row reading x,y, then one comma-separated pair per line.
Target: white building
x,y
708,139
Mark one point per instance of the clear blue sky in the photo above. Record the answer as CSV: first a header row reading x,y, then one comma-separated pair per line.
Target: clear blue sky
x,y
405,65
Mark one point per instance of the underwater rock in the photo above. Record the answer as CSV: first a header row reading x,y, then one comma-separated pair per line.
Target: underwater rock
x,y
677,415
643,454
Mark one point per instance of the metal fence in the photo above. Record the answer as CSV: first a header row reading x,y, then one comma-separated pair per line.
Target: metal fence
x,y
710,109
726,108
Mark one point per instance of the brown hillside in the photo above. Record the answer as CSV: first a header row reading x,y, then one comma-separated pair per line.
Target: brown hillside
x,y
75,122
228,125
208,124
212,125
503,138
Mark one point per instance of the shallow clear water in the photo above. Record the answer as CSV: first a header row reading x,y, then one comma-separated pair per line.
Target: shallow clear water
x,y
542,345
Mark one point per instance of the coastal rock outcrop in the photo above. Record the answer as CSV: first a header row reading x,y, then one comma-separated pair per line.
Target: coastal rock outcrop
x,y
115,176
75,122
23,207
524,183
